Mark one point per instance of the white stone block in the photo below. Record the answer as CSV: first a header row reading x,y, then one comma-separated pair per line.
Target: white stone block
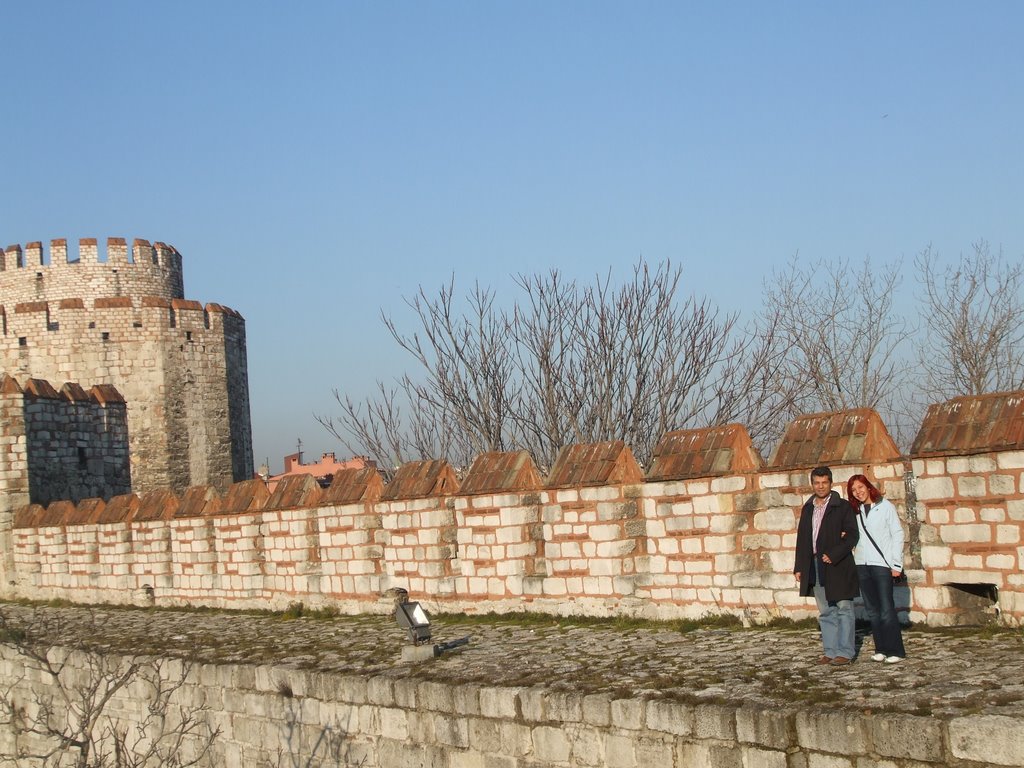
x,y
1001,562
756,541
934,488
551,745
1015,509
992,514
605,567
1007,534
707,505
774,480
605,532
964,515
600,493
616,549
987,739
555,586
728,484
958,465
727,523
935,557
982,464
670,717
966,534
719,543
961,560
691,545
518,516
1002,485
971,486
655,529
1010,460
776,519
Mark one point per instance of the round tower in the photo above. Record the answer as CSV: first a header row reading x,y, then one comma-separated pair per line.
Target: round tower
x,y
121,318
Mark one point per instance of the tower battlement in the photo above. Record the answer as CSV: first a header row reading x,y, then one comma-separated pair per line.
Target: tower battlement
x,y
33,273
125,316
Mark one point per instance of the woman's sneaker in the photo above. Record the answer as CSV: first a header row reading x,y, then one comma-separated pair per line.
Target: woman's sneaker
x,y
878,657
893,659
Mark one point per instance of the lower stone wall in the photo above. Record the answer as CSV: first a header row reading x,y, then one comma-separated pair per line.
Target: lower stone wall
x,y
274,717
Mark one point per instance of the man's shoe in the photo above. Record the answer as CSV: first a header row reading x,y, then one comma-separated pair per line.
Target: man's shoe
x,y
840,661
825,660
878,657
893,659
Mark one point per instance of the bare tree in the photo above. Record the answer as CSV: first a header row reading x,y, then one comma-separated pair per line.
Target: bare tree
x,y
974,315
844,338
756,387
461,405
61,710
566,363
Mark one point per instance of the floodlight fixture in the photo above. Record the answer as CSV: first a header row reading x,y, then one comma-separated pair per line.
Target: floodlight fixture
x,y
412,618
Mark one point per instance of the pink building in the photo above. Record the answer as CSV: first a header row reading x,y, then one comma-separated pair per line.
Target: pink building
x,y
322,470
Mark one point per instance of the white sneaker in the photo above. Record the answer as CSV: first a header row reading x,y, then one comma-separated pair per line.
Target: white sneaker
x,y
878,657
892,659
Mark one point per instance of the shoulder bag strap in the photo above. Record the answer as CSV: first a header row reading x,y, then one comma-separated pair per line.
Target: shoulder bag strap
x,y
864,524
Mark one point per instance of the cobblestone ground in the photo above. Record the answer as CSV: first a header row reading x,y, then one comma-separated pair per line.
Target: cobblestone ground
x,y
946,673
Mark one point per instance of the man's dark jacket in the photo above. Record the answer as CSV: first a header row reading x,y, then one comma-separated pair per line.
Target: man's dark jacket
x,y
841,581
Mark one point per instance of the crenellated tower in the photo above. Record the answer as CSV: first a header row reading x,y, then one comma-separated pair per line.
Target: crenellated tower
x,y
121,318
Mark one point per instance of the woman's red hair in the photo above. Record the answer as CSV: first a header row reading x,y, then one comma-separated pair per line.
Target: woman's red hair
x,y
874,494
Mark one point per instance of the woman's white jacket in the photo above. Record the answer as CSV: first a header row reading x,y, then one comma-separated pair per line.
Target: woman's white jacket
x,y
883,524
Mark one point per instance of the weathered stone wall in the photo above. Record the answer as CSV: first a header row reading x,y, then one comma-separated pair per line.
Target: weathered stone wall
x,y
276,716
596,537
180,366
77,443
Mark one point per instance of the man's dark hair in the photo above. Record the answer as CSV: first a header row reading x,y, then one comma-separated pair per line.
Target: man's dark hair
x,y
821,472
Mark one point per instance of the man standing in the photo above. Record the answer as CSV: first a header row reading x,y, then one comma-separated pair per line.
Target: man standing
x,y
824,568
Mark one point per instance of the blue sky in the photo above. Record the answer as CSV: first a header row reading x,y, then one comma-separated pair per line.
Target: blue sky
x,y
315,162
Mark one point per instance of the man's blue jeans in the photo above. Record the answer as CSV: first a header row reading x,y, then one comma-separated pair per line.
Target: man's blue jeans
x,y
837,620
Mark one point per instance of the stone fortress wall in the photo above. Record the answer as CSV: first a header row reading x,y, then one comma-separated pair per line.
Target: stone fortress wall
x,y
70,444
269,715
123,321
710,528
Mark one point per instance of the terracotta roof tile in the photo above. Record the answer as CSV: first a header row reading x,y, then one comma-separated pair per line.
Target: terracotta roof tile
x,y
40,388
608,463
844,437
199,500
295,491
353,485
421,480
496,472
157,505
9,385
972,424
74,392
28,516
246,496
707,452
120,509
56,514
86,512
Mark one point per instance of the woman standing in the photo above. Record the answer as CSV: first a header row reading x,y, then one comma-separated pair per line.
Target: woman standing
x,y
879,558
